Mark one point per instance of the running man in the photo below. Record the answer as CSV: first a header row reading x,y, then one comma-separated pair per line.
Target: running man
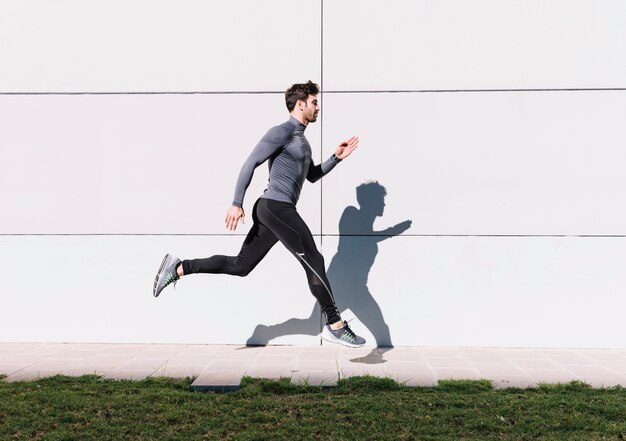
x,y
274,213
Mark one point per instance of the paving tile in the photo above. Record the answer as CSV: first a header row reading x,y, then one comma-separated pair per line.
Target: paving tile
x,y
198,366
275,359
506,381
166,347
572,360
316,365
406,366
29,374
606,355
269,372
150,362
49,349
419,374
596,371
17,362
413,379
496,369
400,354
108,358
151,356
354,370
54,364
280,349
9,352
128,374
224,381
139,365
319,354
94,347
192,356
605,381
456,374
83,350
490,356
229,364
85,369
91,368
616,366
186,362
551,376
8,369
46,368
23,358
447,362
123,349
439,352
536,363
74,355
202,350
231,354
356,352
371,359
178,371
17,346
523,354
315,378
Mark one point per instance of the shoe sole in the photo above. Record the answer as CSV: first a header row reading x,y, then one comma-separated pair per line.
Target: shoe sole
x,y
156,279
340,342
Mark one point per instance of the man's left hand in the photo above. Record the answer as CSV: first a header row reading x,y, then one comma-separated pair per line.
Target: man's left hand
x,y
347,147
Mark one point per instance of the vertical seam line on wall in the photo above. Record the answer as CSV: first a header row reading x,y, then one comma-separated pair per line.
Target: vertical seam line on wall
x,y
322,124
322,142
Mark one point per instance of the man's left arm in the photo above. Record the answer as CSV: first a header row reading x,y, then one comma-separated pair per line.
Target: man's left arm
x,y
344,149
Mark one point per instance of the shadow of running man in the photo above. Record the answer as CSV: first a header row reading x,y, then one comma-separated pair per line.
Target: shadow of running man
x,y
348,275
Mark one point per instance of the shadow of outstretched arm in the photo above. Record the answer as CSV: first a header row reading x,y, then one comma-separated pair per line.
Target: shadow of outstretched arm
x,y
396,230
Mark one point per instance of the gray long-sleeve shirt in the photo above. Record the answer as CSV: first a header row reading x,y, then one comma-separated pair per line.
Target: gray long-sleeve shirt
x,y
290,162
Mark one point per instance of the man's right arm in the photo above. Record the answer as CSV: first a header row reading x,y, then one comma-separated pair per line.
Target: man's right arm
x,y
275,139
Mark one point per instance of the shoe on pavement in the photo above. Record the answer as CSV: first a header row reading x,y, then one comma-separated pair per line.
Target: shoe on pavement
x,y
167,274
343,336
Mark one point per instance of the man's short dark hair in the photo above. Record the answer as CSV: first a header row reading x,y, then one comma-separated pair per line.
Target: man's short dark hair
x,y
300,92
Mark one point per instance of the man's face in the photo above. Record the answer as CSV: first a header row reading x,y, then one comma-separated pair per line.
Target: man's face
x,y
311,109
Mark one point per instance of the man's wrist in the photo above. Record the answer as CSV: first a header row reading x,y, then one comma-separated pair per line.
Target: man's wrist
x,y
335,158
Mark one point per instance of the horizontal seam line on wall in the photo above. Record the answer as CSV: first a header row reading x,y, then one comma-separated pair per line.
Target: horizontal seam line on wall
x,y
315,235
596,89
573,89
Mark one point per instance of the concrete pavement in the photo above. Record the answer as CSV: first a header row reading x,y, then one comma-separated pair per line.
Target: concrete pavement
x,y
220,367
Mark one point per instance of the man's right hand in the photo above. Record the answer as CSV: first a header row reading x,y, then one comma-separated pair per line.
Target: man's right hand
x,y
233,215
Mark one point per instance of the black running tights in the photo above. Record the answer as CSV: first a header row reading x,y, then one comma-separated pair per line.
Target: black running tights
x,y
275,221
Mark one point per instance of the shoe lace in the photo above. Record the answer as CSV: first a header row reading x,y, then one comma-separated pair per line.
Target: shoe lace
x,y
169,278
348,330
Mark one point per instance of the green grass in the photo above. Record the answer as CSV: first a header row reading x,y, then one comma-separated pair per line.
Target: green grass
x,y
359,408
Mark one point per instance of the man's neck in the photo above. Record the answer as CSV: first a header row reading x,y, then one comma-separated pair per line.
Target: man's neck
x,y
299,117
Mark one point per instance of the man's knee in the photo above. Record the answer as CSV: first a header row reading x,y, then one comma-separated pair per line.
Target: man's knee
x,y
241,268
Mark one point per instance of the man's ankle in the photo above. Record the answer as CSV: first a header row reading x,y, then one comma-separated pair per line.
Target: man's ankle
x,y
179,270
336,325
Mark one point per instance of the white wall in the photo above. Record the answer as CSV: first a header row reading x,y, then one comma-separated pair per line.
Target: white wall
x,y
125,123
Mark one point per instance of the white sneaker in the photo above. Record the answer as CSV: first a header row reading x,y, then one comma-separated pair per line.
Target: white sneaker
x,y
167,274
343,336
